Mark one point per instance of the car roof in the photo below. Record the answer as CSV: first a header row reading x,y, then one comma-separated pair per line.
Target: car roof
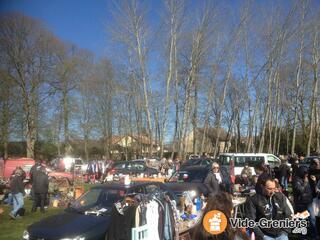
x,y
244,154
121,186
194,168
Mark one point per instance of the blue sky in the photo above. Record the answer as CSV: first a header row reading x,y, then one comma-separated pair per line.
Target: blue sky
x,y
82,22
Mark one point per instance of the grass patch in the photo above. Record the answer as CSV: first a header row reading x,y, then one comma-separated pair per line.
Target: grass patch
x,y
13,229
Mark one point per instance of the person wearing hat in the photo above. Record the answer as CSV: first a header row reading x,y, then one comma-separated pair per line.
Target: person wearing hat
x,y
17,190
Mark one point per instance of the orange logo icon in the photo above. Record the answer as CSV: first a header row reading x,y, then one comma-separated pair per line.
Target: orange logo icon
x,y
215,222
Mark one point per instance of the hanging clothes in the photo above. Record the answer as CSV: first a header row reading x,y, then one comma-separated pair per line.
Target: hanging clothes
x,y
152,216
168,231
121,225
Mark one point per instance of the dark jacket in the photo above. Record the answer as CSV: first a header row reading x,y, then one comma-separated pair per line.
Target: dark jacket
x,y
272,208
302,193
16,185
261,180
40,182
315,172
213,185
284,170
34,169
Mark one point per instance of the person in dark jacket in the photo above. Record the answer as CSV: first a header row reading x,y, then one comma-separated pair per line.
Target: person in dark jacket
x,y
217,180
284,173
294,166
40,188
270,205
17,190
302,194
314,175
34,168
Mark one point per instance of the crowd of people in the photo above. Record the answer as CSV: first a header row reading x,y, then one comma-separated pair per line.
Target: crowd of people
x,y
39,191
270,201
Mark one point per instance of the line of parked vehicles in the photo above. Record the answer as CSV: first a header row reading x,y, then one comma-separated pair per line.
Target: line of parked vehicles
x,y
85,220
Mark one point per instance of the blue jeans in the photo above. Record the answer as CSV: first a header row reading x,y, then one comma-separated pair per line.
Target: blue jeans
x,y
8,200
283,236
284,182
17,202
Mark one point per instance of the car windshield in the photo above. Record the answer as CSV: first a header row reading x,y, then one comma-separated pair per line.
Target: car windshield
x,y
189,176
119,166
193,162
98,198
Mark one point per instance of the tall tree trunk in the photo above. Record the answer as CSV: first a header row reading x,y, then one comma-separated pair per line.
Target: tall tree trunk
x,y
65,100
221,105
173,11
266,110
315,63
298,79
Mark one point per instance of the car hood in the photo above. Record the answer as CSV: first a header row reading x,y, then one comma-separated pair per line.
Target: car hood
x,y
69,224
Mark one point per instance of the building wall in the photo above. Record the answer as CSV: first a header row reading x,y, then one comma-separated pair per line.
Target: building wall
x,y
208,144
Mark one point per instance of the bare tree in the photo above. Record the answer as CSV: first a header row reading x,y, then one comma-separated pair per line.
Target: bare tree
x,y
27,50
298,71
68,62
6,109
315,66
103,81
175,10
130,28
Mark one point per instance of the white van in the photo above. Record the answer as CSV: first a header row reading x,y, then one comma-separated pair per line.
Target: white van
x,y
253,159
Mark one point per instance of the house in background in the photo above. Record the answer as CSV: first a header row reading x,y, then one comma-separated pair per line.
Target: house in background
x,y
137,145
121,147
194,141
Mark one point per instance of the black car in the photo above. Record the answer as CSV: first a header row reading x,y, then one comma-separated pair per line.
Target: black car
x,y
193,173
132,168
189,178
198,161
90,215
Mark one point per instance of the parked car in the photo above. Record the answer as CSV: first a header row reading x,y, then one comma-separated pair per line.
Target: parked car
x,y
189,178
89,216
193,173
132,168
198,161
